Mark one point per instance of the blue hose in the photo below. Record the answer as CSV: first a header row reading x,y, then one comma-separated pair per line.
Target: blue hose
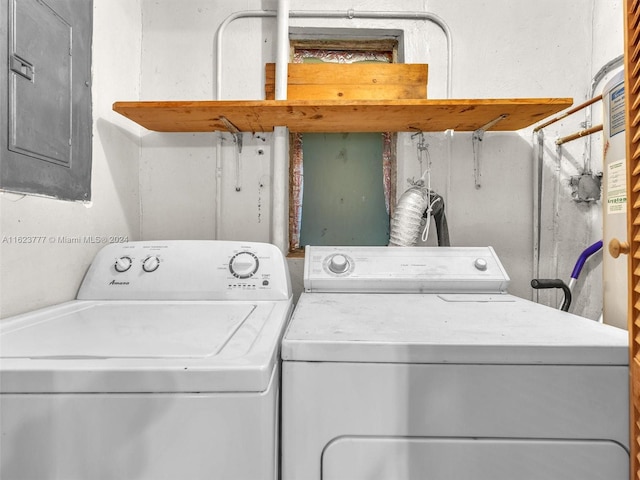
x,y
539,283
583,258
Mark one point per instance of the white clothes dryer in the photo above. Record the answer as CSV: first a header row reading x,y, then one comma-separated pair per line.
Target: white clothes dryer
x,y
412,363
166,366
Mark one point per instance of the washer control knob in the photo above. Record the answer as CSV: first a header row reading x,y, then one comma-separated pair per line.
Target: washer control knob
x,y
123,264
480,264
338,264
151,264
243,265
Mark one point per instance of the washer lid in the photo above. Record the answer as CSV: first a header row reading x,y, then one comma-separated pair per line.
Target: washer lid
x,y
446,328
142,346
129,331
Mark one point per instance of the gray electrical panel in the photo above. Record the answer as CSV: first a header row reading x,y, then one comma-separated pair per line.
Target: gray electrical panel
x,y
45,97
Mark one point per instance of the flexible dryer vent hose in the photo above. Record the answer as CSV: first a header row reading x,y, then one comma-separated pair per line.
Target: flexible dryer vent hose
x,y
407,219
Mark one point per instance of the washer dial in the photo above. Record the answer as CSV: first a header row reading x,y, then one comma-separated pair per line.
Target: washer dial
x,y
123,264
243,265
150,264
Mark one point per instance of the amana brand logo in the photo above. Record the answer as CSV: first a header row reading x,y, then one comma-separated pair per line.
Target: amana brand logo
x,y
113,282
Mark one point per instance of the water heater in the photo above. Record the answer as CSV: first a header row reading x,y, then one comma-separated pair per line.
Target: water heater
x,y
614,265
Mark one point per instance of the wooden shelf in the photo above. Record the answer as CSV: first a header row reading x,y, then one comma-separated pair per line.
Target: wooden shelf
x,y
341,115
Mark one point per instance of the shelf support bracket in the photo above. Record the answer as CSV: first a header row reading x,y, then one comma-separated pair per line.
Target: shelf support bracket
x,y
476,139
237,137
237,134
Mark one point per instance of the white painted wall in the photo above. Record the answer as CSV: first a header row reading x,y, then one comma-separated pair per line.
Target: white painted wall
x,y
568,226
500,50
41,274
165,50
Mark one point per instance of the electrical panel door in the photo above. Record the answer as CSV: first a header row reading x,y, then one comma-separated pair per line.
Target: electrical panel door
x,y
45,97
40,83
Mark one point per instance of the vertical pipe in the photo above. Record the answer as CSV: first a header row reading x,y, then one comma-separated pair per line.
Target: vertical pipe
x,y
218,226
449,199
282,53
280,170
538,163
556,215
280,182
218,96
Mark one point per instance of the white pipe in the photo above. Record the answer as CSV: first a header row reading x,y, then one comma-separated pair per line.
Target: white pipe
x,y
218,185
280,157
221,29
280,148
280,193
218,96
282,52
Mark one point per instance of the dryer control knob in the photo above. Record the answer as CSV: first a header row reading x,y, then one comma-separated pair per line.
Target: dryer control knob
x,y
480,264
338,264
150,264
123,264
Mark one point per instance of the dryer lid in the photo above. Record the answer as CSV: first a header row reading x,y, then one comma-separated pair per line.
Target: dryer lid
x,y
446,328
123,346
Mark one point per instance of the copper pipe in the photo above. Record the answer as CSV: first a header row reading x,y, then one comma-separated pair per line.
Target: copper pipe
x,y
568,112
579,134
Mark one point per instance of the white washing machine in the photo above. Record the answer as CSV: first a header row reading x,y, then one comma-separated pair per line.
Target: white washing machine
x,y
165,367
414,363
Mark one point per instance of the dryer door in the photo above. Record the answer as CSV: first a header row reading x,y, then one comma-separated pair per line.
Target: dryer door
x,y
360,458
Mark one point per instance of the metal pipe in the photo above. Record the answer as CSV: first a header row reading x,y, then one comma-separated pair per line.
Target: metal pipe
x,y
581,133
568,112
604,70
538,162
555,228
